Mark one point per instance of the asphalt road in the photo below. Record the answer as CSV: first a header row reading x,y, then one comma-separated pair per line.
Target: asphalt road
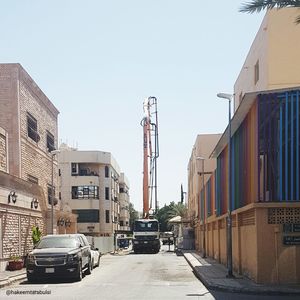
x,y
159,276
127,277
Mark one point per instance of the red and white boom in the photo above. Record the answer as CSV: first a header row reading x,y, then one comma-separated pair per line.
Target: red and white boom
x,y
151,153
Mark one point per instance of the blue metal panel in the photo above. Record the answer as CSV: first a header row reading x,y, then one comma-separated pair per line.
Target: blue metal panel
x,y
264,149
292,148
286,194
258,147
280,154
232,174
297,147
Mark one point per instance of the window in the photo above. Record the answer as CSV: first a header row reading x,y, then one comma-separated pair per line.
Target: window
x,y
85,192
106,193
122,190
50,142
87,215
32,179
256,72
145,226
32,128
107,216
106,172
59,172
74,168
121,223
49,189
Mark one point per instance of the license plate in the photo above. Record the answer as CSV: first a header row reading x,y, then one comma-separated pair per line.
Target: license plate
x,y
145,242
49,270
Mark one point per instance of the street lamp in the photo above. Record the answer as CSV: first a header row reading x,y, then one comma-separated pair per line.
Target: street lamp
x,y
229,218
53,153
204,227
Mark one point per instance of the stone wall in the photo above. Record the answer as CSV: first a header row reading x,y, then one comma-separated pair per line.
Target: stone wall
x,y
9,120
257,234
35,158
16,233
3,150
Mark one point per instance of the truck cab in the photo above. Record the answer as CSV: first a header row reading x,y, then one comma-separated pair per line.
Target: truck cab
x,y
146,236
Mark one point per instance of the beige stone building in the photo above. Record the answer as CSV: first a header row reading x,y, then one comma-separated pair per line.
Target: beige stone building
x,y
273,59
202,148
90,184
124,203
265,161
28,134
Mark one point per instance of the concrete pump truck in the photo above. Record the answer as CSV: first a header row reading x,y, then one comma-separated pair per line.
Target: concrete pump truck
x,y
146,230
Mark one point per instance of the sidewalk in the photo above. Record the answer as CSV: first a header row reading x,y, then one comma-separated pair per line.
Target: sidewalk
x,y
213,276
8,277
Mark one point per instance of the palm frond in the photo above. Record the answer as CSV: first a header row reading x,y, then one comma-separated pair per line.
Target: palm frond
x,y
259,5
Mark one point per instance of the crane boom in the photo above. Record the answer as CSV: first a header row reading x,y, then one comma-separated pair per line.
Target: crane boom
x,y
146,230
151,153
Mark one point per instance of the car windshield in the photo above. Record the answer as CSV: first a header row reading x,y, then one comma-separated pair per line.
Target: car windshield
x,y
145,226
58,242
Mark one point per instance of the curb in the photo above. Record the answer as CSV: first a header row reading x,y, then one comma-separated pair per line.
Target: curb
x,y
246,290
10,279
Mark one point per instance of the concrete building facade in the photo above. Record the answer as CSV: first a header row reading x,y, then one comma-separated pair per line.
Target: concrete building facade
x,y
202,148
265,162
273,59
90,186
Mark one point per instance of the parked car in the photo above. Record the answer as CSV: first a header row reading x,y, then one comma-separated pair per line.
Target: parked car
x,y
65,255
95,257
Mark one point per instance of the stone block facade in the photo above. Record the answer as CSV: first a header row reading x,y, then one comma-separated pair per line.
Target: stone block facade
x,y
18,216
28,158
3,150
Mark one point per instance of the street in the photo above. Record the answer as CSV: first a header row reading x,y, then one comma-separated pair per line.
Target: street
x,y
128,277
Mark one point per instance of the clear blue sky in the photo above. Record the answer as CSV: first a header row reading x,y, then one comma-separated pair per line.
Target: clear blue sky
x,y
98,60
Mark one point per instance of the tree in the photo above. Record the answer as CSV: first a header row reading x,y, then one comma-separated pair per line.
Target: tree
x,y
36,235
168,212
259,5
133,215
162,216
178,209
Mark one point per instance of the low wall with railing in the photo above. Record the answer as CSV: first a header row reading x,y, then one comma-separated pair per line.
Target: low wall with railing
x,y
105,244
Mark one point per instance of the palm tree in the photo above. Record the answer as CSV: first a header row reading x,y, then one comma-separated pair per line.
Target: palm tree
x,y
178,209
259,5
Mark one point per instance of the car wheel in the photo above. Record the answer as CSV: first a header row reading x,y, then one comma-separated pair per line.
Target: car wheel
x,y
92,265
79,272
31,278
89,267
